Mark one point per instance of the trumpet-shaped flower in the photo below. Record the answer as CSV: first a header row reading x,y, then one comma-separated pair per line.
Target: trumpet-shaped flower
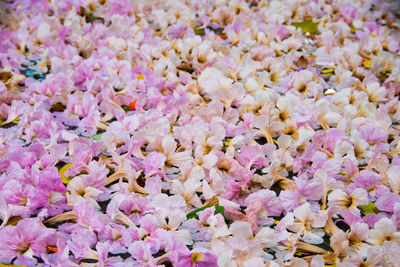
x,y
350,202
27,239
384,230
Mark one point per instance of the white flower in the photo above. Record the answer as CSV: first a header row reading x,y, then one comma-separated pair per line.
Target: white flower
x,y
339,198
375,92
384,230
169,149
306,223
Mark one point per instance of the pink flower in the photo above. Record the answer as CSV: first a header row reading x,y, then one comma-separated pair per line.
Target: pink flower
x,y
27,239
367,180
387,202
134,207
153,163
83,150
88,217
140,251
373,134
198,257
49,190
349,12
81,242
202,229
118,237
305,190
263,205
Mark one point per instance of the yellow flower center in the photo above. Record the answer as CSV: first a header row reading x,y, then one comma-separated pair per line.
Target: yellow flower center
x,y
140,77
196,257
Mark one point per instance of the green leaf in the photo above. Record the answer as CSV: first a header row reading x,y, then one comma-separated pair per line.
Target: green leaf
x,y
306,26
193,214
14,122
96,136
199,31
368,209
328,70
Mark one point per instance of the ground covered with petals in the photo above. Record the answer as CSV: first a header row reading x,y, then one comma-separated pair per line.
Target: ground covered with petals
x,y
199,133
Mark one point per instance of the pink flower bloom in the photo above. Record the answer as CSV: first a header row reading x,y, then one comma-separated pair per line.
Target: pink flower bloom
x,y
232,189
372,257
373,134
198,257
133,206
393,174
27,239
153,185
142,255
153,163
349,217
83,150
349,12
163,203
148,232
88,217
188,189
80,244
372,26
305,190
88,187
202,230
49,190
118,237
103,250
262,205
387,202
367,180
320,160
16,110
391,252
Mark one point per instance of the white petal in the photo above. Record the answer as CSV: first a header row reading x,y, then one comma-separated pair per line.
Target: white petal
x,y
209,160
241,229
394,178
176,217
385,226
336,196
254,262
317,261
303,213
131,123
168,145
177,187
267,237
284,141
360,195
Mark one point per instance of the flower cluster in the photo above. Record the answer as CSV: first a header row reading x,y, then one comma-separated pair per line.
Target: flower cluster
x,y
199,133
